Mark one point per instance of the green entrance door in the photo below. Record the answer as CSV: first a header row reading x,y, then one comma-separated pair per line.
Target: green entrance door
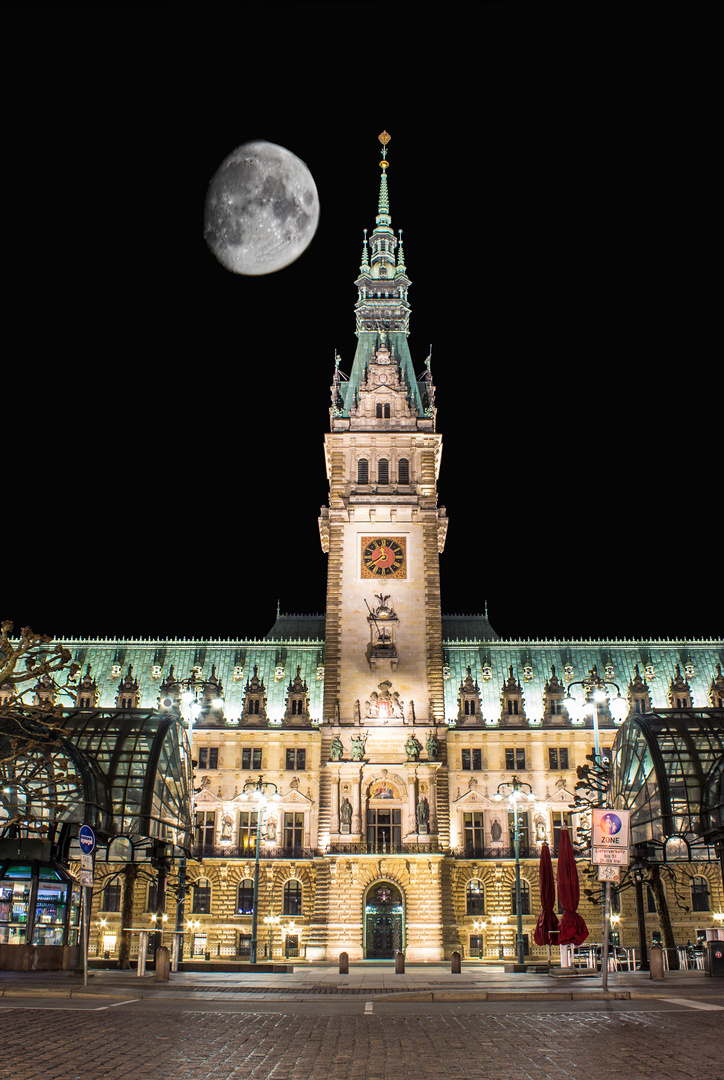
x,y
383,922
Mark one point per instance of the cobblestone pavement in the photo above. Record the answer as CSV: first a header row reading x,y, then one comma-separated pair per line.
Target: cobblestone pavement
x,y
64,1045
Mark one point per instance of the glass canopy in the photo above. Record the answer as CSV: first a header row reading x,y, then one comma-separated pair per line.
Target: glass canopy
x,y
126,773
668,769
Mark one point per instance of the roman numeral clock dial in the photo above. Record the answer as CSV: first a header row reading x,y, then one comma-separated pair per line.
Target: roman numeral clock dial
x,y
383,557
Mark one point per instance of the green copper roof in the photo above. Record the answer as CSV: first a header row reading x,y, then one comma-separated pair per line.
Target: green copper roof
x,y
367,344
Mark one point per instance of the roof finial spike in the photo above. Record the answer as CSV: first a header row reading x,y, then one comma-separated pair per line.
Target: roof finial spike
x,y
383,208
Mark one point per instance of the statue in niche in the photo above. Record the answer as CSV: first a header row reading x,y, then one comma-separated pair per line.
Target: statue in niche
x,y
271,830
358,746
226,827
496,831
432,746
345,815
422,813
413,748
540,828
336,750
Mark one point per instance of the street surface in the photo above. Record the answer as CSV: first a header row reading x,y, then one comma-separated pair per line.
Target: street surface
x,y
360,1039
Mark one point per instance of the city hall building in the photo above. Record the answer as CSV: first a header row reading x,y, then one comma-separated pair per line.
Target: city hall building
x,y
384,728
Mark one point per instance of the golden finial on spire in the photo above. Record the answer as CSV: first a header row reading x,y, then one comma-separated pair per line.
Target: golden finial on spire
x,y
384,139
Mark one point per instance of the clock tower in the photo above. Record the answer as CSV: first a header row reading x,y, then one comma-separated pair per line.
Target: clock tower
x,y
383,789
383,530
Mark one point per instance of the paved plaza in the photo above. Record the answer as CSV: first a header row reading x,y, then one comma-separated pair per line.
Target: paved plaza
x,y
314,1024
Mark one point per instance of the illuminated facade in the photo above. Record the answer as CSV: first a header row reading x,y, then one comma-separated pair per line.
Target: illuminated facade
x,y
386,725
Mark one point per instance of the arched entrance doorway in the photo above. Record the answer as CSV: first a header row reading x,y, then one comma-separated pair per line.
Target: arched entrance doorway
x,y
384,921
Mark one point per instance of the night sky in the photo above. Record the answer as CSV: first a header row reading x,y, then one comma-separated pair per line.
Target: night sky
x,y
552,169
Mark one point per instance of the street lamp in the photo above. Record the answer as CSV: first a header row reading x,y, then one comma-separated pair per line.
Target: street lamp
x,y
257,790
516,789
595,695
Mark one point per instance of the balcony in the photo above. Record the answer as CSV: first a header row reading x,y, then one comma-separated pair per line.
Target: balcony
x,y
227,851
384,849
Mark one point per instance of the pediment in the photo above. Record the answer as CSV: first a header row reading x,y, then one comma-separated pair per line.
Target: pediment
x,y
473,797
206,796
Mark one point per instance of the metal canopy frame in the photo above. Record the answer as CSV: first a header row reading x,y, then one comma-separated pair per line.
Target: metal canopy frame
x,y
125,772
668,770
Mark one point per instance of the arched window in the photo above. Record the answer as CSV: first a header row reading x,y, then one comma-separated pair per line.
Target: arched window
x,y
383,471
475,897
292,898
524,898
700,894
202,897
246,897
112,896
363,471
403,471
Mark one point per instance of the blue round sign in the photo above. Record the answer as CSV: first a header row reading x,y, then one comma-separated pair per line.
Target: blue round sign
x,y
86,839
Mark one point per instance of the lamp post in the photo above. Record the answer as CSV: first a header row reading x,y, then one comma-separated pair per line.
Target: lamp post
x,y
516,789
595,695
256,790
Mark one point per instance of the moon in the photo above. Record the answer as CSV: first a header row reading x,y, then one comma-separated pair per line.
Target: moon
x,y
262,209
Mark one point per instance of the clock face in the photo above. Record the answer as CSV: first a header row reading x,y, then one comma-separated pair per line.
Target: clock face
x,y
383,556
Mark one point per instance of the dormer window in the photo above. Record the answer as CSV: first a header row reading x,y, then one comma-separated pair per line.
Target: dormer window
x,y
382,411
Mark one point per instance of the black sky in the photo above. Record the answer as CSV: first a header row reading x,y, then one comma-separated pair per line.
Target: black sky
x,y
552,169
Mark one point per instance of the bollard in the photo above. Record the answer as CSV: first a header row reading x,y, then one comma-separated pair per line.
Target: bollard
x,y
399,963
163,964
455,966
656,962
343,963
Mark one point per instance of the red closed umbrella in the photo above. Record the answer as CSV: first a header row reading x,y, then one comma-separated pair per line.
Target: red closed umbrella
x,y
547,920
573,930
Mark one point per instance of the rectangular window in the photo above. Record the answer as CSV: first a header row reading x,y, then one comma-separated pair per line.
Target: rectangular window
x,y
247,831
557,758
296,759
515,758
208,757
474,833
293,830
472,759
384,830
250,758
522,832
205,828
560,820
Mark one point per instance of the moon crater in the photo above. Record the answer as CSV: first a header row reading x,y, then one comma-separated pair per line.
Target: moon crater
x,y
262,209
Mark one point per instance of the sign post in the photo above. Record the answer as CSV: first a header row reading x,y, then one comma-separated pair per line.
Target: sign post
x,y
609,851
87,841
